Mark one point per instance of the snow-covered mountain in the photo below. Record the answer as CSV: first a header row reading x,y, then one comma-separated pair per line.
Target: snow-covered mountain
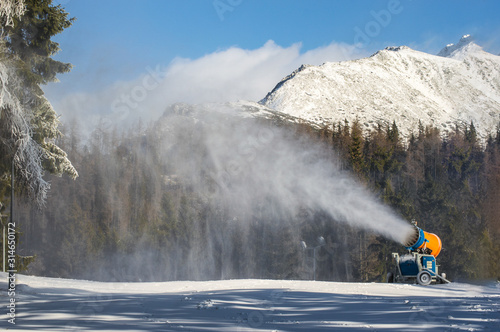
x,y
459,85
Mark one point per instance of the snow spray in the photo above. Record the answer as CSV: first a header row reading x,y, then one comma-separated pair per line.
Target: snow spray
x,y
245,162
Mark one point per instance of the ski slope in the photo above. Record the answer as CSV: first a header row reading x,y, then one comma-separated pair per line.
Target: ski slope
x,y
49,304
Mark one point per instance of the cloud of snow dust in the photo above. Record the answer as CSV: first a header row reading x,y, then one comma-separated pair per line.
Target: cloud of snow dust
x,y
246,164
226,75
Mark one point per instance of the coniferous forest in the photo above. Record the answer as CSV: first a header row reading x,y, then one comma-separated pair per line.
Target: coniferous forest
x,y
130,217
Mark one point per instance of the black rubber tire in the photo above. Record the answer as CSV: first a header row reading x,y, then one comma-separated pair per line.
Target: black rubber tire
x,y
390,277
424,278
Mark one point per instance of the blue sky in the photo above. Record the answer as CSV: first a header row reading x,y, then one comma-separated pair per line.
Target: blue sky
x,y
118,42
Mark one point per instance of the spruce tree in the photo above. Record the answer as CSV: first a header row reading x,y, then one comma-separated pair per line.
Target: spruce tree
x,y
29,124
356,148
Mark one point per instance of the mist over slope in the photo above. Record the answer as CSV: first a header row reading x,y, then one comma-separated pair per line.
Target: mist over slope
x,y
459,85
248,166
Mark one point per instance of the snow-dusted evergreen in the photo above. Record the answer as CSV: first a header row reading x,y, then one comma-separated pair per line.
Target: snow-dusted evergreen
x,y
28,123
16,133
460,85
20,118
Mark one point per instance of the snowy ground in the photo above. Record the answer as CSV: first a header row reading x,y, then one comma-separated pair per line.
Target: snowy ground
x,y
47,304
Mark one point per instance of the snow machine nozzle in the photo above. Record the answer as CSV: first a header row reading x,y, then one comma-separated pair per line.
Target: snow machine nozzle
x,y
421,241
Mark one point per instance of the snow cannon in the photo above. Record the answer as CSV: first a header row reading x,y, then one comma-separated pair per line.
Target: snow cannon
x,y
419,264
424,242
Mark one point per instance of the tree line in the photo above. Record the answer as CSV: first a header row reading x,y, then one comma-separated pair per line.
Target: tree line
x,y
128,217
449,184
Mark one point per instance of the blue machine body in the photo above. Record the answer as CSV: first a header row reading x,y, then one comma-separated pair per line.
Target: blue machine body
x,y
409,267
429,263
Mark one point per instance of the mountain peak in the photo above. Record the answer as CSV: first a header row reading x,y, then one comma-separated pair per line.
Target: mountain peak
x,y
460,50
399,84
397,48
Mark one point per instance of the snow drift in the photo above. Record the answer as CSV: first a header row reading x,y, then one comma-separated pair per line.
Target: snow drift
x,y
48,304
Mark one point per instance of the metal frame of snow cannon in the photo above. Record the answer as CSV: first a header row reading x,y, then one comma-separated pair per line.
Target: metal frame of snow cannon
x,y
420,264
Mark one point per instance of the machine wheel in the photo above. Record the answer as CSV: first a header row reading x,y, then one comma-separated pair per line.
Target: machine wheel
x,y
390,277
424,278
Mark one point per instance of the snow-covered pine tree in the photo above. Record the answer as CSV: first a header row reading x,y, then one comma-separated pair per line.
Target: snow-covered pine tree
x,y
28,123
